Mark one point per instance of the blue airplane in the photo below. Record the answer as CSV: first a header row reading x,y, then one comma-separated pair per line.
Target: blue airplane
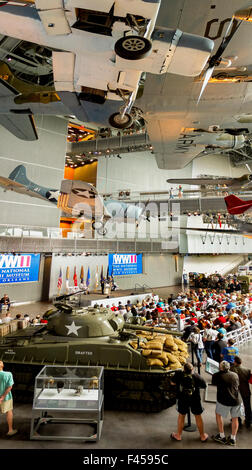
x,y
18,182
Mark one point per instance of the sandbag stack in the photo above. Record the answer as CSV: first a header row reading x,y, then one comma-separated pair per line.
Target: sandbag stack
x,y
161,350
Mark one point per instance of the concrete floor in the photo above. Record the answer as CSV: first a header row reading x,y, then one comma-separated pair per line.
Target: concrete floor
x,y
131,430
127,430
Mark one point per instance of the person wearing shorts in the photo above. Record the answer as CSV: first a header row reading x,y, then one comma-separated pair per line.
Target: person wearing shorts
x,y
187,403
6,401
228,402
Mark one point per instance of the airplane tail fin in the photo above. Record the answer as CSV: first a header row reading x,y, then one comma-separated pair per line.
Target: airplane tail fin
x,y
235,205
19,175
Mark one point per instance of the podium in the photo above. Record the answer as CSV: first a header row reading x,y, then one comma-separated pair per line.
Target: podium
x,y
107,288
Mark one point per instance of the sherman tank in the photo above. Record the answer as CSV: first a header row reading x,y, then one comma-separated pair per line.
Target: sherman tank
x,y
138,360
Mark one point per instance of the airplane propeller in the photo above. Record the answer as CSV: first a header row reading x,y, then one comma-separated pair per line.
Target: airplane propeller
x,y
216,58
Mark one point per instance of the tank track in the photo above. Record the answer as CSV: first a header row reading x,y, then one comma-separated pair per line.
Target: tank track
x,y
124,390
137,391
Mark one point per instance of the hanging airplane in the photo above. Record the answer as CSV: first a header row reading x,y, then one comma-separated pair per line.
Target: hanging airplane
x,y
243,182
78,199
236,206
100,82
238,227
82,201
131,67
19,183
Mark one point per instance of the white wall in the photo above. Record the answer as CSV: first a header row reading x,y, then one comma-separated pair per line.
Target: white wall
x,y
217,165
158,270
209,264
137,171
215,243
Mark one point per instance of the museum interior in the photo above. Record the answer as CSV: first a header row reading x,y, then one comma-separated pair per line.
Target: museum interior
x,y
125,233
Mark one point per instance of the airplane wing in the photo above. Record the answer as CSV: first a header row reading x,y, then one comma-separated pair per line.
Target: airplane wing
x,y
164,135
216,230
20,125
18,122
9,184
200,181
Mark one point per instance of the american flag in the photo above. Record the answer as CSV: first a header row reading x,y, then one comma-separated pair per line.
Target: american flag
x,y
59,285
75,279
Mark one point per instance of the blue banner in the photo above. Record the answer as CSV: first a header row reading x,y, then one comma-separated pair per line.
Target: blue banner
x,y
123,264
19,268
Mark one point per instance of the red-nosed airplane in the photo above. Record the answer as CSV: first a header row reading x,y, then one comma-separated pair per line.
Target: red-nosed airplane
x,y
236,206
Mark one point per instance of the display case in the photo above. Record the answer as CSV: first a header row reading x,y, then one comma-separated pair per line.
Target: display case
x,y
74,394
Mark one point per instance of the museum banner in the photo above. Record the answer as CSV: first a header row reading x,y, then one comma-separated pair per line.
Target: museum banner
x,y
125,263
19,268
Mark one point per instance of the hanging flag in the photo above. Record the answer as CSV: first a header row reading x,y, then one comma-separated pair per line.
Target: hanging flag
x,y
82,275
102,278
67,277
219,220
75,279
96,278
59,285
88,278
82,280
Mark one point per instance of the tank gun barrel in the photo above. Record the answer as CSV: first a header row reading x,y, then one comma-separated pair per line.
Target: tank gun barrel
x,y
65,296
152,329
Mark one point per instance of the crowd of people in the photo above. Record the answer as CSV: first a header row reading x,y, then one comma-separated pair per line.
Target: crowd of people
x,y
229,283
205,317
29,321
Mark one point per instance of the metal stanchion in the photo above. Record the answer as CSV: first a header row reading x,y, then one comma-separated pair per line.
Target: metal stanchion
x,y
189,427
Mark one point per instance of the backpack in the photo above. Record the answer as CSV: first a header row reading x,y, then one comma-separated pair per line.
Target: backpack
x,y
187,385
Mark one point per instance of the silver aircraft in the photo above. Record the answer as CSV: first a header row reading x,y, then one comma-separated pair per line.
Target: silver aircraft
x,y
223,183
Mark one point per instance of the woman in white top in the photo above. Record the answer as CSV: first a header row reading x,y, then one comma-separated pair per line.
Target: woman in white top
x,y
209,336
197,344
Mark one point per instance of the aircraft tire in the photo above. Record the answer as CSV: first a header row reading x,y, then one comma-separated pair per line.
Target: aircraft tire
x,y
133,47
97,225
102,231
119,122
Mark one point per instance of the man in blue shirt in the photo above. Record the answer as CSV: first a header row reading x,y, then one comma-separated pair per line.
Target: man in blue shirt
x,y
230,305
6,402
229,352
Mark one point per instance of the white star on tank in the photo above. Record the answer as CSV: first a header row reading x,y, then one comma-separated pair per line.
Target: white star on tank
x,y
72,329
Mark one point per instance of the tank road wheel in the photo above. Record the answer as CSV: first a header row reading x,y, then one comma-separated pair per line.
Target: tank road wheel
x,y
120,122
133,47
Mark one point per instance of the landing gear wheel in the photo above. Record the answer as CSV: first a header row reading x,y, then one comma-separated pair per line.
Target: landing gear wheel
x,y
102,231
120,122
133,47
138,124
97,225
